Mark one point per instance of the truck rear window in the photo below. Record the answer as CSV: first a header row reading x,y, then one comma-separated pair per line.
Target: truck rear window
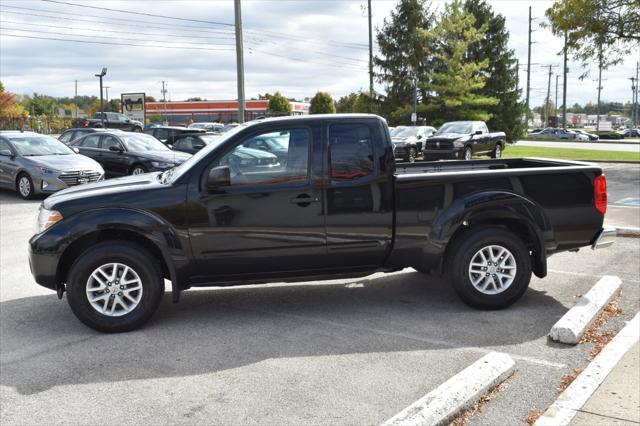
x,y
351,151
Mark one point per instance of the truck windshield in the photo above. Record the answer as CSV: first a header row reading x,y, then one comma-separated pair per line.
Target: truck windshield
x,y
460,127
212,142
405,132
39,145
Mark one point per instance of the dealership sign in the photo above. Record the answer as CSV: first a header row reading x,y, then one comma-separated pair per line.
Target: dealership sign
x,y
133,106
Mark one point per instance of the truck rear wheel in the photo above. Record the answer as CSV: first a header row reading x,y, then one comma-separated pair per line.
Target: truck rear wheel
x,y
115,286
490,268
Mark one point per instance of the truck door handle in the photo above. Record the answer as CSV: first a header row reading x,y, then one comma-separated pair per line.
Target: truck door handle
x,y
303,200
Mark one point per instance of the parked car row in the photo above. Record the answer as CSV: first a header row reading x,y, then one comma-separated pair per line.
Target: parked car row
x,y
560,133
454,140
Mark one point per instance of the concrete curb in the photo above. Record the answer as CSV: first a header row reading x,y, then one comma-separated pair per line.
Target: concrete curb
x,y
457,394
571,327
564,409
627,231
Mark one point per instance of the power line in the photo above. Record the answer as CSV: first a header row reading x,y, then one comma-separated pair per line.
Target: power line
x,y
113,43
115,38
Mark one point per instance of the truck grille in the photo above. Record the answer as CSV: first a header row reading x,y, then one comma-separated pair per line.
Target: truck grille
x,y
79,177
438,144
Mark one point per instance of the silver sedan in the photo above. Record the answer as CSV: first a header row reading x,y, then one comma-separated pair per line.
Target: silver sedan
x,y
32,164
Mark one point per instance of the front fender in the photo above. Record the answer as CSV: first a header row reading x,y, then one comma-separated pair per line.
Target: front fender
x,y
57,239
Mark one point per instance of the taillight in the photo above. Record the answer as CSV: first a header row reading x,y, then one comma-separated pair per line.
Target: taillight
x,y
600,193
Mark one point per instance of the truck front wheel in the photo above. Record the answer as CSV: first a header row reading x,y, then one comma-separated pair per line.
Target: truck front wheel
x,y
490,268
115,286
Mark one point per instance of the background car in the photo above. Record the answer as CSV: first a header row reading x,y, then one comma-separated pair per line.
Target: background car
x,y
590,136
274,143
168,134
630,133
409,140
243,157
207,127
70,135
110,120
554,133
128,153
32,164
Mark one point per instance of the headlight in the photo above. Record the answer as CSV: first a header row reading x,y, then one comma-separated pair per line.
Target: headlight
x,y
46,219
161,165
45,170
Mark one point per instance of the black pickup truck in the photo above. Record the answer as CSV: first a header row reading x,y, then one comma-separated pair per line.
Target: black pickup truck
x,y
110,120
338,207
463,140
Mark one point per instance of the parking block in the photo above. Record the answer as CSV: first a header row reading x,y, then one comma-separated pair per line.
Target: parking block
x,y
457,394
571,327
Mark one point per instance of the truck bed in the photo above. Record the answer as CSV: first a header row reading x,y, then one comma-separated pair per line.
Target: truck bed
x,y
509,166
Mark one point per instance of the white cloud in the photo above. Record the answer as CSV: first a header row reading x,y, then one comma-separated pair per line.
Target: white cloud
x,y
274,31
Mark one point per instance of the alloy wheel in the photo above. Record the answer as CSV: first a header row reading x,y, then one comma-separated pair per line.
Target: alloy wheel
x,y
492,269
114,289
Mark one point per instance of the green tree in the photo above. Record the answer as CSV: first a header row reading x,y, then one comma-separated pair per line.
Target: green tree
x,y
404,52
278,104
458,80
592,25
360,102
502,72
322,103
41,105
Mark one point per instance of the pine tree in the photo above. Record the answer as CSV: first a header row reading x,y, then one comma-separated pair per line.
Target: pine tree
x,y
404,52
502,73
456,82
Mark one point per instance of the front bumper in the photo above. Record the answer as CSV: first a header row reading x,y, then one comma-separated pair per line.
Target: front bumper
x,y
50,183
443,154
43,265
604,238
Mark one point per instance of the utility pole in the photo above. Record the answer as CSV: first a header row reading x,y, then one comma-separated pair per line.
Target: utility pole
x,y
164,101
565,70
414,116
517,78
556,102
633,101
599,86
370,61
106,89
75,99
547,100
635,104
529,63
239,60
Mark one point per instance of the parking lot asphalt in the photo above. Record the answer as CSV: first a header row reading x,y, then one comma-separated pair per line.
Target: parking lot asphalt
x,y
351,351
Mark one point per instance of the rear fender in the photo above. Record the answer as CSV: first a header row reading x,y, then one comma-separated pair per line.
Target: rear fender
x,y
498,208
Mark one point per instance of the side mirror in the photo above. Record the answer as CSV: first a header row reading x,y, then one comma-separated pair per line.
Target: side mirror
x,y
6,153
219,177
76,150
478,132
115,148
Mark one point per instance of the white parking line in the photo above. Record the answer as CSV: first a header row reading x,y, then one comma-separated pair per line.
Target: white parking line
x,y
564,409
457,394
570,328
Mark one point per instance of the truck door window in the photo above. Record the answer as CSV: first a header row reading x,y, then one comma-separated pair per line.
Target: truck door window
x,y
250,166
351,151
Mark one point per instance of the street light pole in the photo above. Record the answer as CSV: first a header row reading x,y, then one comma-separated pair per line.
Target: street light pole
x,y
102,74
106,90
414,116
239,60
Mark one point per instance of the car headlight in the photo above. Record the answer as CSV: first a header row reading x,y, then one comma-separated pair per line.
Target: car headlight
x,y
162,165
46,219
45,170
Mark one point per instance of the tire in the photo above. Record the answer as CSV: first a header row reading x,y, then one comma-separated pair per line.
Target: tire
x,y
24,186
500,292
138,170
497,152
468,154
137,129
81,280
411,156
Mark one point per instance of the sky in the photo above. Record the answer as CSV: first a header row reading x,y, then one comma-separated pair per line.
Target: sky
x,y
294,46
